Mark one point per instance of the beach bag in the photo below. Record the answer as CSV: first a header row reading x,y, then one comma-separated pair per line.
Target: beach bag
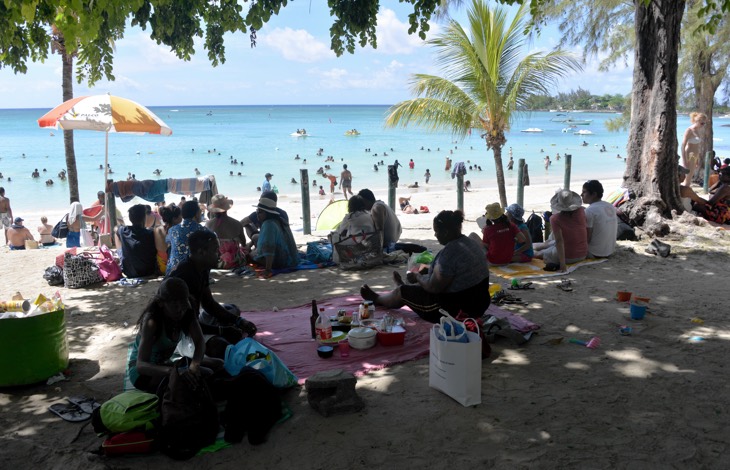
x,y
250,353
189,415
130,442
108,267
54,276
361,251
61,228
319,252
534,227
128,411
80,271
455,368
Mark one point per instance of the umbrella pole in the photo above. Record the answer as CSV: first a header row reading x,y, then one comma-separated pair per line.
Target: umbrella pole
x,y
106,199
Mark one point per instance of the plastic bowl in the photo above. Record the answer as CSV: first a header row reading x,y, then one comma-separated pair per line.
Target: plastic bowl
x,y
362,338
325,351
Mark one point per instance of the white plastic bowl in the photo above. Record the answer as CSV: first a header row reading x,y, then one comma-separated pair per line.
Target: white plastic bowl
x,y
362,338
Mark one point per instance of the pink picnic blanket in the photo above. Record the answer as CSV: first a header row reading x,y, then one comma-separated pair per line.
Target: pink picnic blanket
x,y
288,333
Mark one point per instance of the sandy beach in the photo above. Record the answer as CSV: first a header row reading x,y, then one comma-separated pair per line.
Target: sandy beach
x,y
654,399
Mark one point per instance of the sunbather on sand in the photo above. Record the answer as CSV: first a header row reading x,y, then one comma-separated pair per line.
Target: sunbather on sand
x,y
457,279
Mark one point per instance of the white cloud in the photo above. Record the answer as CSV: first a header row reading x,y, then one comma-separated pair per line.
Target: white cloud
x,y
388,77
393,37
296,45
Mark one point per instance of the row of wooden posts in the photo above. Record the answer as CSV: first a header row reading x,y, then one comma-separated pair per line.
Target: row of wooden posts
x,y
306,212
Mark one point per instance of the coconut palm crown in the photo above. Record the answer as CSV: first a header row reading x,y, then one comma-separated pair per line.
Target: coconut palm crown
x,y
486,79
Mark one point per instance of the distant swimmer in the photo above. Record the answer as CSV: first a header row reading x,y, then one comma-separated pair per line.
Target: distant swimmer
x,y
375,167
427,175
414,185
197,172
293,181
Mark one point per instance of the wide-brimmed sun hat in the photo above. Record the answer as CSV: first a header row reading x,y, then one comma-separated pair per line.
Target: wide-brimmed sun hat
x,y
219,203
565,200
267,205
516,212
494,211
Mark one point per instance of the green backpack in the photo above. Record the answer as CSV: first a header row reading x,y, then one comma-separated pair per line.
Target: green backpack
x,y
127,411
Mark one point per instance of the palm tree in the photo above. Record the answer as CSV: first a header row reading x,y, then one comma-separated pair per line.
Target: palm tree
x,y
485,80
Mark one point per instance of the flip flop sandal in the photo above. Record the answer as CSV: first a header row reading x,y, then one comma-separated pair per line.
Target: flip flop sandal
x,y
525,286
662,248
85,404
70,413
565,286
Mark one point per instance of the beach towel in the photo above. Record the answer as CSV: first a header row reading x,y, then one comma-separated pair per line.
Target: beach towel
x,y
459,169
287,333
535,269
188,185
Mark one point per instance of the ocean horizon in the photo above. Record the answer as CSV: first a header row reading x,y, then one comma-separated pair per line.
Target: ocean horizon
x,y
258,138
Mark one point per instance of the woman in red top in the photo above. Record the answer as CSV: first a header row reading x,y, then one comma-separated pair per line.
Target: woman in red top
x,y
499,236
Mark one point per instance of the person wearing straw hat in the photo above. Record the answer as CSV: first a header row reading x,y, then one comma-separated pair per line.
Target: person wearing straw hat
x,y
499,236
275,247
229,230
570,238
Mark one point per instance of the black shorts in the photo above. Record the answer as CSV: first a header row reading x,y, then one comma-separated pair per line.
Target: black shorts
x,y
473,301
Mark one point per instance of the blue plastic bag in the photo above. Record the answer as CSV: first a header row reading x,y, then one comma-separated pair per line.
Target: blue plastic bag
x,y
319,252
251,353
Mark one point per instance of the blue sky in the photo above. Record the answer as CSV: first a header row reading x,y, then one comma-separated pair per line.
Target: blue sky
x,y
292,64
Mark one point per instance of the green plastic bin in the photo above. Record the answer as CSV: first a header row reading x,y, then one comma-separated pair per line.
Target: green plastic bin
x,y
32,349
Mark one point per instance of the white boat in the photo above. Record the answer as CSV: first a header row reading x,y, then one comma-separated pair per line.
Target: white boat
x,y
553,110
532,129
583,132
569,129
299,134
578,122
726,116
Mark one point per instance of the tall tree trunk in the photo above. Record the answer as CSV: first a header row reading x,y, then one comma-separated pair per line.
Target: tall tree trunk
x,y
68,136
497,149
651,168
705,98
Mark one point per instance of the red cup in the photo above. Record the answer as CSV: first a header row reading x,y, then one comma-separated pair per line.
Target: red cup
x,y
623,296
344,348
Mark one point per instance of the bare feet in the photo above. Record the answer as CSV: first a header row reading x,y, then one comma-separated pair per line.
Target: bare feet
x,y
397,279
367,293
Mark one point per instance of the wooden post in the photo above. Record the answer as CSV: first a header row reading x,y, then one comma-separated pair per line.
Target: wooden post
x,y
306,214
520,183
566,179
706,181
391,188
460,192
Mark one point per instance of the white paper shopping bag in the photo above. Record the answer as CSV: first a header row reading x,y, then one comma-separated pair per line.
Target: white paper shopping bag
x,y
456,368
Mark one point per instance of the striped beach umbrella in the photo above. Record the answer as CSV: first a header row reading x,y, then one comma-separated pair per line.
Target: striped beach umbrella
x,y
104,113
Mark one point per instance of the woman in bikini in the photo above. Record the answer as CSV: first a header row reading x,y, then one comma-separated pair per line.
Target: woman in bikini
x,y
691,144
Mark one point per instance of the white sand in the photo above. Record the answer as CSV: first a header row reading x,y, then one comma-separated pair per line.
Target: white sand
x,y
654,399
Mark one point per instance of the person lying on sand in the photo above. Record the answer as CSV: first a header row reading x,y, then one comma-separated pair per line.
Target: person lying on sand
x,y
405,205
457,279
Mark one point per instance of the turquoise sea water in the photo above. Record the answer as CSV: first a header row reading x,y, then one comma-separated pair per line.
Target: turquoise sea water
x,y
259,136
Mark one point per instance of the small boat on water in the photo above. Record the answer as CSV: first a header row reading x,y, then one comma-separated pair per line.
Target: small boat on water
x,y
569,129
352,132
583,132
300,133
578,122
532,130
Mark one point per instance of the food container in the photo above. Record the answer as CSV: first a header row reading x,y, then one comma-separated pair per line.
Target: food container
x,y
371,323
396,337
362,338
325,351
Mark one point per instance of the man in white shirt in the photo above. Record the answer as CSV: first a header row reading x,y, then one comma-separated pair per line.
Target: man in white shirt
x,y
601,223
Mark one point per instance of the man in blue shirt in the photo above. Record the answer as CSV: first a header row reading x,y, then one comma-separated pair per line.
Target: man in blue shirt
x,y
178,235
267,183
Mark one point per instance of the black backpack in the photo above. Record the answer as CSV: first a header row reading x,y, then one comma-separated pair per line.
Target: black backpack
x,y
534,226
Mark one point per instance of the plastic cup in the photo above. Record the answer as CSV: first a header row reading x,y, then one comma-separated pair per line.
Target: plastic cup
x,y
638,311
344,347
623,296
